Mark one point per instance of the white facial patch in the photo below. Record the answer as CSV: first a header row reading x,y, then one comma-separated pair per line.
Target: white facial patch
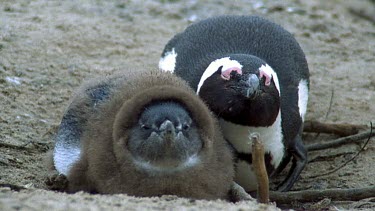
x,y
214,66
303,96
152,169
269,71
168,62
64,157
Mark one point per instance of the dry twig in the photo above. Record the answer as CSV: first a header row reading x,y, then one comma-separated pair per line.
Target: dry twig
x,y
338,142
260,169
330,104
361,13
42,146
12,186
337,129
353,194
328,111
351,159
13,146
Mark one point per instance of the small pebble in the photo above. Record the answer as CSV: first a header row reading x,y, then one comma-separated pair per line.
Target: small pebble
x,y
193,18
13,80
5,189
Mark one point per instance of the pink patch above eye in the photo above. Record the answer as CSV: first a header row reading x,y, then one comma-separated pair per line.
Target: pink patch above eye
x,y
226,73
268,77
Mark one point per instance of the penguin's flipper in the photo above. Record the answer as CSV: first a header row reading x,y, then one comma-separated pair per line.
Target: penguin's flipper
x,y
67,142
168,57
67,149
299,154
172,44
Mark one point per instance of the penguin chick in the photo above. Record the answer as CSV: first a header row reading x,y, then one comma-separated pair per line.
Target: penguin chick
x,y
142,134
253,75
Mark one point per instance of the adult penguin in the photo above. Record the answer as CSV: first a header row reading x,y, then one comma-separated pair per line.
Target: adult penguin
x,y
143,134
253,74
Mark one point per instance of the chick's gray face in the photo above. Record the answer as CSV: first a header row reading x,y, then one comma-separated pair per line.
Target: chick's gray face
x,y
165,137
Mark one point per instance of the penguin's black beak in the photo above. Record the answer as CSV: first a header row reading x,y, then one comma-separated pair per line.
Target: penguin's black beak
x,y
167,130
249,85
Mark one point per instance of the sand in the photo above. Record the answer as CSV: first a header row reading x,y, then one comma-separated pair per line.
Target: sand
x,y
47,48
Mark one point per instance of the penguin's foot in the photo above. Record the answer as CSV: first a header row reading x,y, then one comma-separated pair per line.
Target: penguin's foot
x,y
299,154
238,193
56,181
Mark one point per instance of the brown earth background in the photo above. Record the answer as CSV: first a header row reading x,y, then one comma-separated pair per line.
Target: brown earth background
x,y
47,48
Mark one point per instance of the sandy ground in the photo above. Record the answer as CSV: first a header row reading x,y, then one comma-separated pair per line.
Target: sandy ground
x,y
47,48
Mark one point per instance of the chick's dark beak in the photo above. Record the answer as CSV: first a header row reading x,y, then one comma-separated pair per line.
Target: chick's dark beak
x,y
167,130
249,85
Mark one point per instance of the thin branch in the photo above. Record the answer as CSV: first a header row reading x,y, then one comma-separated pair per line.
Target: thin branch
x,y
43,146
4,163
329,157
361,13
22,147
260,168
351,159
12,186
338,142
330,104
337,129
352,194
328,111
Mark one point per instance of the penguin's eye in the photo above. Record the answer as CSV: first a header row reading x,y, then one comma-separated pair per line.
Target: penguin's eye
x,y
235,75
185,127
145,127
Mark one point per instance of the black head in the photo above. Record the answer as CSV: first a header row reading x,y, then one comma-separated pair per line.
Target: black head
x,y
165,138
242,89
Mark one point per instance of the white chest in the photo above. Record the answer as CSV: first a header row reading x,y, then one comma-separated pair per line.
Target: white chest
x,y
271,137
239,137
